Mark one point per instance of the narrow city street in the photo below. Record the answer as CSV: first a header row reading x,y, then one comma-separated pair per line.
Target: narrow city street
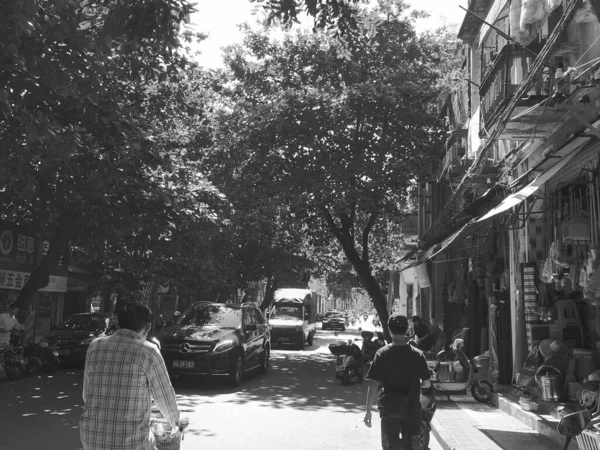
x,y
298,405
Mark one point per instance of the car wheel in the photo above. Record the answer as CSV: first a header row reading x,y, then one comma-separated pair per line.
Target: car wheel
x,y
237,371
309,341
343,328
264,361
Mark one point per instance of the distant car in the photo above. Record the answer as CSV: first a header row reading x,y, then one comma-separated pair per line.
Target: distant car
x,y
334,320
74,335
217,339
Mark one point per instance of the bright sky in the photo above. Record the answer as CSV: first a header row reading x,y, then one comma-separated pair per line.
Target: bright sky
x,y
219,18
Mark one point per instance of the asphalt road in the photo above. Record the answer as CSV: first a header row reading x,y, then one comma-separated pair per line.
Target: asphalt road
x,y
298,405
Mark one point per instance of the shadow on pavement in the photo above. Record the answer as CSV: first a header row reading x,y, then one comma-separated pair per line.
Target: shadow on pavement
x,y
303,380
42,412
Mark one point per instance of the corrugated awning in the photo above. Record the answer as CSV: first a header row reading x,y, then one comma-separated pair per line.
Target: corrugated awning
x,y
520,196
507,204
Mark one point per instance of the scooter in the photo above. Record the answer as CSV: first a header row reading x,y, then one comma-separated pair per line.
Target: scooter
x,y
573,425
348,361
453,373
41,357
15,366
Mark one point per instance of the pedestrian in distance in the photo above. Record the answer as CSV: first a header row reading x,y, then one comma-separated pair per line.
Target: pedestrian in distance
x,y
123,373
397,377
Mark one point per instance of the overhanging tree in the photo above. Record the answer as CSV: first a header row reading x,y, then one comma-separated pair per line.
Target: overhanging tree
x,y
80,156
339,142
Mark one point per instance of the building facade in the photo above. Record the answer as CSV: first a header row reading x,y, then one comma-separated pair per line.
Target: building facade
x,y
509,226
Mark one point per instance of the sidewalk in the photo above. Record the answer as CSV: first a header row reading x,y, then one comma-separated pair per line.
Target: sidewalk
x,y
464,424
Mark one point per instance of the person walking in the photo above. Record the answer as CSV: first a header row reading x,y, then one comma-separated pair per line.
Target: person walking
x,y
123,373
397,377
8,323
424,338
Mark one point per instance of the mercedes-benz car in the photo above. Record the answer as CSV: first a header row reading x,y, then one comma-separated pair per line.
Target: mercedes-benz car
x,y
217,339
333,320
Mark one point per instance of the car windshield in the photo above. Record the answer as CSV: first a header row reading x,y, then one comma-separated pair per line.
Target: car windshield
x,y
84,323
331,315
287,312
212,315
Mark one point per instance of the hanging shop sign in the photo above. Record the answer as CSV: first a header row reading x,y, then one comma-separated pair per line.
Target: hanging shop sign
x,y
422,276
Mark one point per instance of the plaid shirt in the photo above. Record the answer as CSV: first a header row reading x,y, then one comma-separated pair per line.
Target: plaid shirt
x,y
122,372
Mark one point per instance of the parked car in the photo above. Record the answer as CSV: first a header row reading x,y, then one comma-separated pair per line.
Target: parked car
x,y
334,320
217,339
74,335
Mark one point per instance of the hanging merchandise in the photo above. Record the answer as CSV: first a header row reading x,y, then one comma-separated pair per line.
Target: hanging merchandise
x,y
547,271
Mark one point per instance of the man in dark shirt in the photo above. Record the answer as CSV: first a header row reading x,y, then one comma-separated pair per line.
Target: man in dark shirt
x,y
397,374
424,337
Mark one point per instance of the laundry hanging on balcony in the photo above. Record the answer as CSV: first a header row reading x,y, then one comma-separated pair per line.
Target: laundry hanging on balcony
x,y
527,17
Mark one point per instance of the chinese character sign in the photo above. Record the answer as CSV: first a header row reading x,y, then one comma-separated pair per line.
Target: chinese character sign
x,y
17,248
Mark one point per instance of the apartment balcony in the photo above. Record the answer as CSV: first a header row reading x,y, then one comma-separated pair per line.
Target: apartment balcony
x,y
501,80
454,163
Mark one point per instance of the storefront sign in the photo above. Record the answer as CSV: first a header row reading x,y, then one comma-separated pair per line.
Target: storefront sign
x,y
10,279
18,247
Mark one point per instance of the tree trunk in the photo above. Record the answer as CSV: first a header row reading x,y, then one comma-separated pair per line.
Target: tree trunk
x,y
344,236
269,293
370,284
40,277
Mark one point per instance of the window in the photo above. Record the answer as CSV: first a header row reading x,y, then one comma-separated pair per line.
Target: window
x,y
212,315
249,318
258,316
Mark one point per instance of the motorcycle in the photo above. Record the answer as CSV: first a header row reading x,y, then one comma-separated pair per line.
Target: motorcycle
x,y
41,357
348,361
453,373
573,425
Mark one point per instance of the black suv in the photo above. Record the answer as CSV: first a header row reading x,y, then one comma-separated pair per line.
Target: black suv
x,y
333,320
217,339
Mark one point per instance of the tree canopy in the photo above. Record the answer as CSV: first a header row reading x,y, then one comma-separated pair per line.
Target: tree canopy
x,y
339,142
81,156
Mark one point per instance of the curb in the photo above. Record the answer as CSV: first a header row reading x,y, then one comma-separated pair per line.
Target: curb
x,y
442,436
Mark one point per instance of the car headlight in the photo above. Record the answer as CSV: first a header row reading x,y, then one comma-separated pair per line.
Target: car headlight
x,y
299,328
86,341
270,327
223,346
43,344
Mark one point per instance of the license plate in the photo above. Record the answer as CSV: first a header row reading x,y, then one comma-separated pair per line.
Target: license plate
x,y
183,364
64,351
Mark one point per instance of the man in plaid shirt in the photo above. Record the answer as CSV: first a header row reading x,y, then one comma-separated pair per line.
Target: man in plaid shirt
x,y
122,373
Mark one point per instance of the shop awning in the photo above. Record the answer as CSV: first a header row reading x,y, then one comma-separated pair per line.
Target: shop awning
x,y
520,196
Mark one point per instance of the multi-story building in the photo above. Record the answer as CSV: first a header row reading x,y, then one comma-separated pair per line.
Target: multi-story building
x,y
509,225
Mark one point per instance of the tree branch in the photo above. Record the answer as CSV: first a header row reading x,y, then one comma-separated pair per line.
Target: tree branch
x,y
365,237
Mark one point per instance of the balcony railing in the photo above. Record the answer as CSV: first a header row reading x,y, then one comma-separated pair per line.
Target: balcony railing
x,y
456,149
502,78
